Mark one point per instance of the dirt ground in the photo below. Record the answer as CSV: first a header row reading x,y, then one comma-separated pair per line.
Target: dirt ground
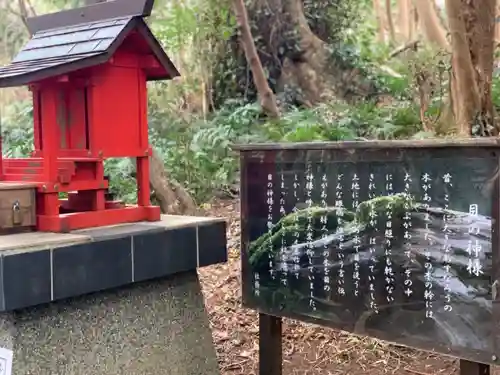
x,y
308,349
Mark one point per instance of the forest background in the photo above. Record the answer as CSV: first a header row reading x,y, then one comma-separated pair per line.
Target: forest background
x,y
289,71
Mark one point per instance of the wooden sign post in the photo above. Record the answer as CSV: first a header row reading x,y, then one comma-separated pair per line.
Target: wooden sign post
x,y
395,240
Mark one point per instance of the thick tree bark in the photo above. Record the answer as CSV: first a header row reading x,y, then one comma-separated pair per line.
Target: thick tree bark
x,y
171,196
266,95
308,70
294,50
472,26
313,69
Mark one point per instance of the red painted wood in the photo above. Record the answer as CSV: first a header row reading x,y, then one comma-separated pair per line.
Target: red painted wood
x,y
80,119
81,220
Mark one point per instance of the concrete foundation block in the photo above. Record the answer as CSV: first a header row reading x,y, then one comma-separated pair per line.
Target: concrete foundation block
x,y
149,328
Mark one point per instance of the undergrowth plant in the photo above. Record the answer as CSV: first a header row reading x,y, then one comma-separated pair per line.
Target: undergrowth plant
x,y
194,136
197,150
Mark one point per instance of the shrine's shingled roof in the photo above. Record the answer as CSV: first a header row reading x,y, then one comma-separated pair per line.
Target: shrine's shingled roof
x,y
67,48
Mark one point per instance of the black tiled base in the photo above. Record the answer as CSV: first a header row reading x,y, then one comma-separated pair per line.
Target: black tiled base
x,y
159,254
41,276
91,267
26,279
212,244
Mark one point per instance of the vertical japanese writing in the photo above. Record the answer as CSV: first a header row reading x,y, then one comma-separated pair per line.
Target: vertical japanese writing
x,y
388,235
256,284
428,293
408,283
446,243
357,238
310,233
339,205
324,233
372,216
283,256
474,247
270,225
296,232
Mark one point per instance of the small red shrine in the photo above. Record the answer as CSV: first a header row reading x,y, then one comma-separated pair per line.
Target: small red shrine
x,y
87,69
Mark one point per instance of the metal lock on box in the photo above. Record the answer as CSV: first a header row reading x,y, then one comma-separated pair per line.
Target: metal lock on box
x,y
17,205
17,215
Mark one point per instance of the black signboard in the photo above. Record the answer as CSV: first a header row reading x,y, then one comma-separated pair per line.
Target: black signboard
x,y
393,240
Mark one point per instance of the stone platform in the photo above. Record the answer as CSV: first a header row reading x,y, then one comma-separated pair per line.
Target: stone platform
x,y
114,300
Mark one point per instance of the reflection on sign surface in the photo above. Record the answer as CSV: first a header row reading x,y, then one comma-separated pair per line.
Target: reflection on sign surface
x,y
397,247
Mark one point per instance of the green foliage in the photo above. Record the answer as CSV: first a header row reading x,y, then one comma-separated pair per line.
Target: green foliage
x,y
495,91
307,125
197,152
17,130
177,25
329,19
396,121
276,39
122,182
196,144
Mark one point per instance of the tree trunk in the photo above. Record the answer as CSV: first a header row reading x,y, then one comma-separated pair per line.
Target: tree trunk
x,y
430,23
390,22
377,10
307,70
171,196
294,51
404,12
497,25
472,27
23,12
314,70
266,95
413,21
